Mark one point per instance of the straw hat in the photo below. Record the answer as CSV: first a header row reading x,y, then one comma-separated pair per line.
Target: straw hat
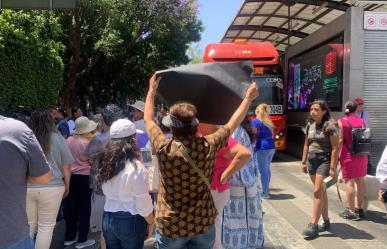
x,y
84,125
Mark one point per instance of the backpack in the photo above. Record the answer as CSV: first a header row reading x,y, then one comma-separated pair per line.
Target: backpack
x,y
361,140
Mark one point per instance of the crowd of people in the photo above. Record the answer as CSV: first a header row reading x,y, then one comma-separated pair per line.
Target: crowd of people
x,y
166,176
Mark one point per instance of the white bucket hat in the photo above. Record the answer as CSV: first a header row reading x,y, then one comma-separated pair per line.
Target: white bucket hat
x,y
84,125
123,128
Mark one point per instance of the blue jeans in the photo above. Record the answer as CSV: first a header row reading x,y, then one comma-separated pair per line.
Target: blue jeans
x,y
264,158
123,230
26,243
201,241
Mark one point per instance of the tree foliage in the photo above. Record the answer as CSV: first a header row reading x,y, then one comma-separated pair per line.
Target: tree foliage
x,y
102,51
194,53
31,68
114,46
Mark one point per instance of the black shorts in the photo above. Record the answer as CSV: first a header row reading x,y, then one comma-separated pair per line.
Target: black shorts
x,y
318,163
384,196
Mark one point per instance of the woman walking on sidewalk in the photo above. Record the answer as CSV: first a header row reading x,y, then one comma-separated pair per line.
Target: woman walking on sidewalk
x,y
353,167
319,159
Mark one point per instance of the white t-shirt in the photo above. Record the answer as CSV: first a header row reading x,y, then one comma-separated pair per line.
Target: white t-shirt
x,y
71,125
365,115
381,169
140,124
129,191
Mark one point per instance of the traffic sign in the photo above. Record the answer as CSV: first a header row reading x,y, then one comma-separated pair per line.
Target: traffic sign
x,y
371,21
38,4
375,20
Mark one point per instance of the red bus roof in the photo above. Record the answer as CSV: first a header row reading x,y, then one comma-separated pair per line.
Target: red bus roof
x,y
261,53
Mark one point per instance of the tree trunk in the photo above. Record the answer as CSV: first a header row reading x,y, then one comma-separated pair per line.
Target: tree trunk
x,y
69,92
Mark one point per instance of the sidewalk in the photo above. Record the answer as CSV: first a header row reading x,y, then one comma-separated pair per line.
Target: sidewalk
x,y
288,212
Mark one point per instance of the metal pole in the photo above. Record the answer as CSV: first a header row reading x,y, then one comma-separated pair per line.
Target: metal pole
x,y
50,4
289,26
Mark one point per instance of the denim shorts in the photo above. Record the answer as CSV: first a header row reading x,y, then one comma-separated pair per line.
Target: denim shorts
x,y
318,163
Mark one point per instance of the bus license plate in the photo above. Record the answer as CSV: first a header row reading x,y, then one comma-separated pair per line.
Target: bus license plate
x,y
275,109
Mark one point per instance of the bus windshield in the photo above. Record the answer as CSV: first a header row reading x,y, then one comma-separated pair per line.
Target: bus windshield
x,y
271,92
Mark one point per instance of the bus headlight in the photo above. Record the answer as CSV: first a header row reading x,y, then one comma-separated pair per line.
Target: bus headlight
x,y
280,134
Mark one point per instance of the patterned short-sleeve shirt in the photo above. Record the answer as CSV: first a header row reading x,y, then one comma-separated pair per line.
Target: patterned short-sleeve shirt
x,y
185,207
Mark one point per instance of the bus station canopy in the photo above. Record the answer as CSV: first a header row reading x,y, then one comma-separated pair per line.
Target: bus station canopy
x,y
286,22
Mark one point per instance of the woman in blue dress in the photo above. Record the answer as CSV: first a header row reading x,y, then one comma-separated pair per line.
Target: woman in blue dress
x,y
242,222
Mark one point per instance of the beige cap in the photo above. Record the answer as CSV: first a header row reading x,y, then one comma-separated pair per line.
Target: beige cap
x,y
139,105
84,125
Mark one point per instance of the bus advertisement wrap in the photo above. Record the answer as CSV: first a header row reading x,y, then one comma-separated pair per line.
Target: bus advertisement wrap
x,y
267,75
317,74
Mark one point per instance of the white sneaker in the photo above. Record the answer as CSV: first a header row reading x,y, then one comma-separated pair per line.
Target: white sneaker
x,y
70,242
266,196
87,243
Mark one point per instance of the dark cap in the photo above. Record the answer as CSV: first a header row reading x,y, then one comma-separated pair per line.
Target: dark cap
x,y
111,113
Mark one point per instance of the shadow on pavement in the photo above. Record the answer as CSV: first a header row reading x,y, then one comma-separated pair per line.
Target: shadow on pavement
x,y
281,196
58,237
276,189
280,156
376,217
346,231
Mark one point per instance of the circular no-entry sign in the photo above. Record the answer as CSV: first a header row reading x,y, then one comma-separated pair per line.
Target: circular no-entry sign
x,y
371,20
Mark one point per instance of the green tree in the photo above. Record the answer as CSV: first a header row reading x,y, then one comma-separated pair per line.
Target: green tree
x,y
194,53
114,46
31,68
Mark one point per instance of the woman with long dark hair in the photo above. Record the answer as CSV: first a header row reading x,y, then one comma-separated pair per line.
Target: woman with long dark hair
x,y
319,159
43,200
128,210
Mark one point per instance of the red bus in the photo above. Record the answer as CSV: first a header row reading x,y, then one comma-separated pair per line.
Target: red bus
x,y
267,74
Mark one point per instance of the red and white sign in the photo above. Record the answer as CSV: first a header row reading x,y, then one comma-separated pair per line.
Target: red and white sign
x,y
375,20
